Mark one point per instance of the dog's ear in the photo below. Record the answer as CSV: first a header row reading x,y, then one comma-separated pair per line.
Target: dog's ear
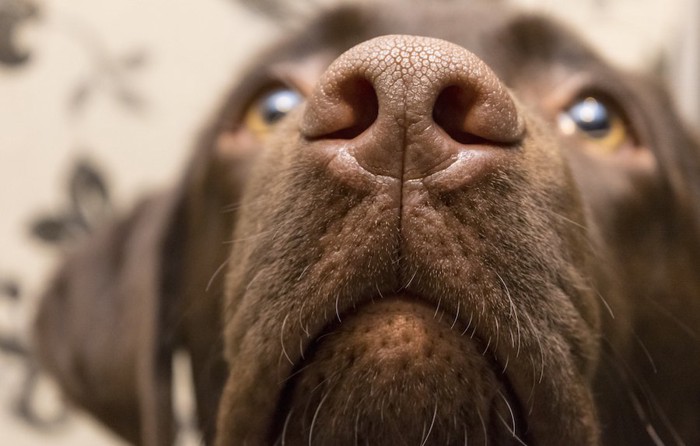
x,y
102,311
194,255
140,288
677,150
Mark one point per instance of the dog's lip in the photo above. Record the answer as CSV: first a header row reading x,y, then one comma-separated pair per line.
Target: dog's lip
x,y
512,397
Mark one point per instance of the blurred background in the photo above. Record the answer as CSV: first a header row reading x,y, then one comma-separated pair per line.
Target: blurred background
x,y
100,101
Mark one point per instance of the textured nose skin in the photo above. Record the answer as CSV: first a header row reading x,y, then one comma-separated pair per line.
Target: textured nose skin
x,y
407,106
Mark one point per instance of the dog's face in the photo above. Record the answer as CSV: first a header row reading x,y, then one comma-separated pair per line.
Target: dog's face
x,y
477,235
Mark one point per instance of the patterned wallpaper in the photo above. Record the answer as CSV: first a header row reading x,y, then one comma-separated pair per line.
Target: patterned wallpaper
x,y
99,102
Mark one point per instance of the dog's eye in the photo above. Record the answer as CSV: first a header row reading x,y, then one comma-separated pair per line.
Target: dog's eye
x,y
597,121
270,106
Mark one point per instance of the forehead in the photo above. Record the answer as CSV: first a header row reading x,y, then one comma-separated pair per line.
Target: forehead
x,y
510,42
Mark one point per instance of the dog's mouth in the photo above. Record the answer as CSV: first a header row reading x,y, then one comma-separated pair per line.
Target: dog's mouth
x,y
398,371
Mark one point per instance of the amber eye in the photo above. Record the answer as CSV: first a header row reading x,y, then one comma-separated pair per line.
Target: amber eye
x,y
270,107
596,121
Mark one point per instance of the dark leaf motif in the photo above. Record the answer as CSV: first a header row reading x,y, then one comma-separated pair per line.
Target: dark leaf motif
x,y
286,12
9,288
113,76
56,230
12,346
14,13
89,206
89,195
124,93
129,98
134,60
80,96
282,11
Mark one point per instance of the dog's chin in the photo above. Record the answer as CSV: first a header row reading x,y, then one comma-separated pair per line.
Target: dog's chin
x,y
396,372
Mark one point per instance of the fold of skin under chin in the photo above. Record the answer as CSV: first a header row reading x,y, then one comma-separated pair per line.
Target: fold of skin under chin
x,y
395,373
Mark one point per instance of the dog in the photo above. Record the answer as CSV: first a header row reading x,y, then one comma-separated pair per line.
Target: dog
x,y
406,225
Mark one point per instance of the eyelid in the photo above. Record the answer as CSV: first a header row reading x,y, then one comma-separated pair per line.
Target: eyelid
x,y
576,87
565,92
302,74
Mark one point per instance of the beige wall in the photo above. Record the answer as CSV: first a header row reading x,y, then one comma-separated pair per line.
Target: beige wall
x,y
193,48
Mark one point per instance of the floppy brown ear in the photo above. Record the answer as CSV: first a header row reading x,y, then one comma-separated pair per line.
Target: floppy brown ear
x,y
195,253
666,309
677,149
141,288
99,327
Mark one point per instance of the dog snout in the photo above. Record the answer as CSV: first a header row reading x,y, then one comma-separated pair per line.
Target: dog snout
x,y
407,107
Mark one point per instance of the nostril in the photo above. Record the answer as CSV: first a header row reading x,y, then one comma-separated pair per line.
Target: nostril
x,y
356,110
450,113
478,111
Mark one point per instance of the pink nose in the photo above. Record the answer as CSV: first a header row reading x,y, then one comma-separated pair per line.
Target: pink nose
x,y
405,106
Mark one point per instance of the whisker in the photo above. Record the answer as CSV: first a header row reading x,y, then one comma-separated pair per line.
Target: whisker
x,y
564,218
513,311
510,410
688,330
454,322
539,346
483,425
313,420
337,311
304,327
498,330
430,429
282,381
646,352
306,268
378,290
216,273
253,280
626,375
437,308
249,237
488,344
605,303
410,281
284,350
512,432
469,324
286,424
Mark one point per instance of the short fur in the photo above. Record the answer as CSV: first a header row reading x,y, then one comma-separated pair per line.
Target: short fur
x,y
350,278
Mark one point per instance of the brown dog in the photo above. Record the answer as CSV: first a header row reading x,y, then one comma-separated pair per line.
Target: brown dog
x,y
488,236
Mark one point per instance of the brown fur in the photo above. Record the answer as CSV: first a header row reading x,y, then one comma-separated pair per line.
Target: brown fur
x,y
348,280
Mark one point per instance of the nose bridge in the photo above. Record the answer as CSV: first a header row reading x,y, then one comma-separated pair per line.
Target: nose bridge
x,y
411,72
394,94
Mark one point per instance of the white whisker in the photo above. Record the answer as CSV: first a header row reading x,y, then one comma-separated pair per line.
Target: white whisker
x,y
313,420
483,425
216,273
513,312
430,429
284,350
454,322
